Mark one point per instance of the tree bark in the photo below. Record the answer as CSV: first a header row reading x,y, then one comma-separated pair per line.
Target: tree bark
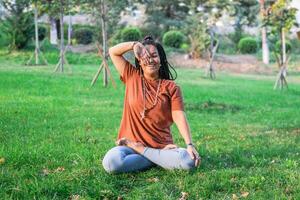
x,y
53,31
264,37
283,46
70,26
36,34
265,46
104,38
62,46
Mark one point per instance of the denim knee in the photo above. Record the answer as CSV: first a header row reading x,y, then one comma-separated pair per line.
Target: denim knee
x,y
113,160
187,163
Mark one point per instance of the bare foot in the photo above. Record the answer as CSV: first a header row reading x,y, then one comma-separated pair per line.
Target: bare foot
x,y
137,146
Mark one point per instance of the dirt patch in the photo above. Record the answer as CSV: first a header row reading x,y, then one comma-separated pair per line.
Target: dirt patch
x,y
228,63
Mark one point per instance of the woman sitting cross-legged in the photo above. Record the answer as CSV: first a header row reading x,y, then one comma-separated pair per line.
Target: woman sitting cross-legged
x,y
152,103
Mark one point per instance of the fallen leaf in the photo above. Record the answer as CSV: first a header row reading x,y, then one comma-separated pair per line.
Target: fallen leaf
x,y
234,197
75,197
120,198
245,194
45,172
59,169
2,161
184,196
153,180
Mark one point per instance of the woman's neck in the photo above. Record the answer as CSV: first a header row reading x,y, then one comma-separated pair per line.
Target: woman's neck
x,y
151,77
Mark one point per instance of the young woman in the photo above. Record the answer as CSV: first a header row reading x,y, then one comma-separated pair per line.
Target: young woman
x,y
152,103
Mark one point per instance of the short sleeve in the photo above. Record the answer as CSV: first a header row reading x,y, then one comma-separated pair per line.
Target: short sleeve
x,y
129,71
176,99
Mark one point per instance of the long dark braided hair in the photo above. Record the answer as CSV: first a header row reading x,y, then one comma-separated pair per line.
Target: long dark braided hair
x,y
164,70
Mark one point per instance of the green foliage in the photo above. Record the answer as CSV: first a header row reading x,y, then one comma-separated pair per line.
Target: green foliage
x,y
165,15
185,47
131,34
247,45
83,36
243,12
226,45
288,46
42,32
173,39
18,25
3,37
281,16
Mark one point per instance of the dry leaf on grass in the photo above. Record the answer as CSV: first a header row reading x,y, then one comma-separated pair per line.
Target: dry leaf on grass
x,y
245,194
153,180
235,197
184,196
59,169
45,172
120,198
2,161
75,197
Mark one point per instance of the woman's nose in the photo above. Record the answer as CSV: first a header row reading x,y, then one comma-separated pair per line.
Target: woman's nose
x,y
151,60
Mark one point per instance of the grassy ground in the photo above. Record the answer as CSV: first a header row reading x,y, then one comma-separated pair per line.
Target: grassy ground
x,y
55,129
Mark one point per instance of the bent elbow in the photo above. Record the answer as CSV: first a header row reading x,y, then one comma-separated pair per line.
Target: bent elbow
x,y
110,51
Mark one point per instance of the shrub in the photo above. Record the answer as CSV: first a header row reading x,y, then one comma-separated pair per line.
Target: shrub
x,y
247,45
173,39
131,34
288,46
84,35
185,47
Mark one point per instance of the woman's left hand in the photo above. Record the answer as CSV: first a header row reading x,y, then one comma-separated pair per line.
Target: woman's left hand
x,y
194,154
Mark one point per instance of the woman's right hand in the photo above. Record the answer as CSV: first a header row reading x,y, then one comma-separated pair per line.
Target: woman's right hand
x,y
141,53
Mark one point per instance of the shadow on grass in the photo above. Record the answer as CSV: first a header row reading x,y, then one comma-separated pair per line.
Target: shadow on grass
x,y
210,106
252,157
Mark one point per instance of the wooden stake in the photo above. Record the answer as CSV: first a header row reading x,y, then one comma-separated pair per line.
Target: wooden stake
x,y
102,65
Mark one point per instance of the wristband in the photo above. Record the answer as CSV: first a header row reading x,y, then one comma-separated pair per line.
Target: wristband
x,y
190,144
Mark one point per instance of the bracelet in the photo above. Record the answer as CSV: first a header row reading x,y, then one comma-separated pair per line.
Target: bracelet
x,y
190,144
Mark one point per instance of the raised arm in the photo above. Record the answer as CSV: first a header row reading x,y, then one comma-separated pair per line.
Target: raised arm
x,y
182,124
116,54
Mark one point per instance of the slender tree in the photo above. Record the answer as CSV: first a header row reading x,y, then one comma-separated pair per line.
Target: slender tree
x,y
264,37
37,52
281,17
203,16
107,15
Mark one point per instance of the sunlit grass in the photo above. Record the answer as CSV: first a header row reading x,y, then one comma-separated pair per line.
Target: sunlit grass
x,y
55,129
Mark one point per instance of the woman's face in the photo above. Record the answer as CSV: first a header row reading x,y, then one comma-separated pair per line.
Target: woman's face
x,y
151,68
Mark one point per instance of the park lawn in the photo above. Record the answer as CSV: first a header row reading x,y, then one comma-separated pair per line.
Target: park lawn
x,y
55,129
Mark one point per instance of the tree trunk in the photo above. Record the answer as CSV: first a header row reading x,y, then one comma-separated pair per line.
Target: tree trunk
x,y
70,25
70,29
104,38
62,46
283,45
264,37
36,34
53,31
265,47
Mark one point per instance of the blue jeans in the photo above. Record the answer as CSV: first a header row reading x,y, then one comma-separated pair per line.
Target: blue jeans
x,y
124,159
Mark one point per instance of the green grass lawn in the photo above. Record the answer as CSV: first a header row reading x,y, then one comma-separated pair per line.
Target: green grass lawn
x,y
55,130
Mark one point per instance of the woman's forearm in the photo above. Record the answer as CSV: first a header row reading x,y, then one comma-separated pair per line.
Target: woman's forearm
x,y
182,124
121,48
